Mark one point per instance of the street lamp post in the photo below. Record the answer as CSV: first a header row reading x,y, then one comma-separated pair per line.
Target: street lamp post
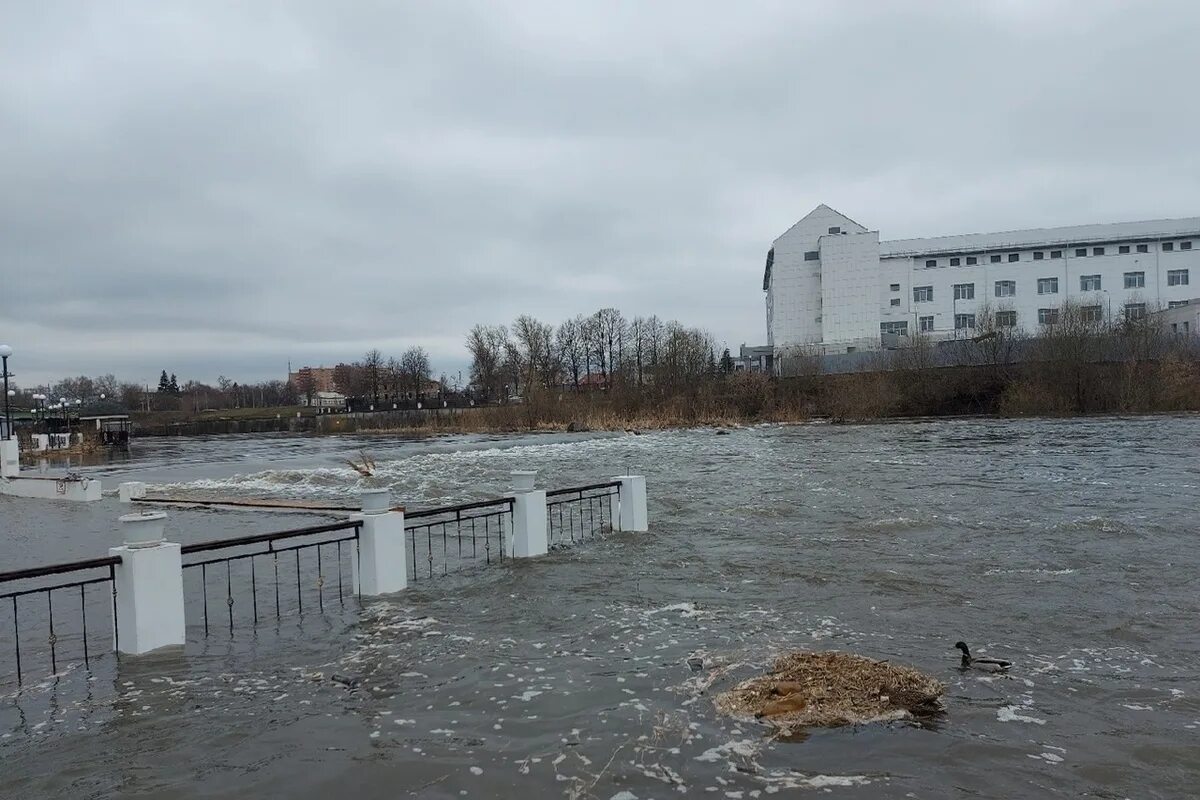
x,y
5,352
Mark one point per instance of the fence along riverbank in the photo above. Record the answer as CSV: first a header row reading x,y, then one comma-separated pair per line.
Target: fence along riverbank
x,y
146,594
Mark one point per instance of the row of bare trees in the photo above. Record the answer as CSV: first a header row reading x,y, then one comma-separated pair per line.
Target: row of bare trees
x,y
602,350
376,376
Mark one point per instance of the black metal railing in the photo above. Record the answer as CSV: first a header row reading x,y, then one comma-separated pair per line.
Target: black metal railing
x,y
448,538
329,556
580,512
74,598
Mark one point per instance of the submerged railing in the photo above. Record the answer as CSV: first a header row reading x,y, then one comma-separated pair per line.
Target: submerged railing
x,y
153,589
20,600
266,545
579,513
477,531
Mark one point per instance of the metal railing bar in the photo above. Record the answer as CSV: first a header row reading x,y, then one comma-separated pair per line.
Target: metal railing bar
x,y
240,556
588,488
58,569
55,587
218,544
433,512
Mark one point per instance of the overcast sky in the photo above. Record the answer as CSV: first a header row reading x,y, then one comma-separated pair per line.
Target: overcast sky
x,y
215,188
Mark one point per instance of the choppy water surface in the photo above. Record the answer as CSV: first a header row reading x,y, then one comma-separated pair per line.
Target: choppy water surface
x,y
1068,546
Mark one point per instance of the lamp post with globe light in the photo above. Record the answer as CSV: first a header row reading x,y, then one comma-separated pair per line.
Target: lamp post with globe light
x,y
5,352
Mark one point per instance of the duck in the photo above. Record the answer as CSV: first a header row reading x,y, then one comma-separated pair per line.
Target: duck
x,y
985,664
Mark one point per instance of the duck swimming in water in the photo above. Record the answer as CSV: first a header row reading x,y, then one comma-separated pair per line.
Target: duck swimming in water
x,y
985,664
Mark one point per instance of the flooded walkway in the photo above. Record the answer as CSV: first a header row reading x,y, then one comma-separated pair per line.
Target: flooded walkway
x,y
1066,546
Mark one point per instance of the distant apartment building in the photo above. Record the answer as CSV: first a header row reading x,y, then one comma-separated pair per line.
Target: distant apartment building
x,y
831,285
313,379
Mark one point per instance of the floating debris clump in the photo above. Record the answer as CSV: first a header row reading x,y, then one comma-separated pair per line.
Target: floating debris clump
x,y
828,689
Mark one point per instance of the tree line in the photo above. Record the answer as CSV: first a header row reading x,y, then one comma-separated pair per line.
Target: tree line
x,y
603,350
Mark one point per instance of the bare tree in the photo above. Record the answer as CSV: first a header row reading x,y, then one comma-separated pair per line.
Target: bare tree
x,y
373,366
487,345
415,370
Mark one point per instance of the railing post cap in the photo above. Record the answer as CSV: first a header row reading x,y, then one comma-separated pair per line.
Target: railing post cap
x,y
375,501
523,479
143,528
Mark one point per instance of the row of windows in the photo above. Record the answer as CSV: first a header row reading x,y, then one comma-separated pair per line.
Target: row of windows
x,y
1008,319
1087,283
1039,255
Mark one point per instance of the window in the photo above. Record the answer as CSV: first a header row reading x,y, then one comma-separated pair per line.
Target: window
x,y
964,322
1168,246
1091,313
1047,316
812,255
1123,249
1047,285
964,291
995,259
1014,257
1006,288
1056,253
1177,277
954,262
1143,248
1177,304
835,229
972,261
1097,251
925,324
895,301
896,328
1081,252
1185,246
1089,283
1135,280
895,287
931,262
1134,311
922,294
1006,319
1038,255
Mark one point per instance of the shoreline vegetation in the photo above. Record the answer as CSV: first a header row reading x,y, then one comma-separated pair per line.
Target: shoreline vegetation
x,y
605,373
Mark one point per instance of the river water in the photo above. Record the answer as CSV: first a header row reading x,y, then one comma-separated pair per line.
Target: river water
x,y
1067,546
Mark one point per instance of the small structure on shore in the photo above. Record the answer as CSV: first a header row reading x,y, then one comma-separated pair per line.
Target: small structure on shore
x,y
829,689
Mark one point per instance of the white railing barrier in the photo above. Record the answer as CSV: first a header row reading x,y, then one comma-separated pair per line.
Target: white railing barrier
x,y
633,515
149,586
382,563
129,491
10,458
529,535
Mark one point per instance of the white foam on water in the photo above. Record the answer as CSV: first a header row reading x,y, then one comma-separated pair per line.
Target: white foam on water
x,y
1010,714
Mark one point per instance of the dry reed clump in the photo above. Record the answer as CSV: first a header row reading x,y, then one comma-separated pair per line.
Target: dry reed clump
x,y
829,689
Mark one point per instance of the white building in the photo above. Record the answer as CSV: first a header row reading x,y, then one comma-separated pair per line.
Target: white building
x,y
832,285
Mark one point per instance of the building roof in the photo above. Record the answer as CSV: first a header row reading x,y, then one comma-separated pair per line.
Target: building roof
x,y
1035,237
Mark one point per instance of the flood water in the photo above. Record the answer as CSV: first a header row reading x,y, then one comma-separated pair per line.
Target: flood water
x,y
1067,546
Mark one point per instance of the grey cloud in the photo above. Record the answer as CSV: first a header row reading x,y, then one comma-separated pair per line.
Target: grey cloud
x,y
216,188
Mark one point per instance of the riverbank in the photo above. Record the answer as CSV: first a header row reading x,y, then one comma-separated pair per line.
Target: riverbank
x,y
1044,388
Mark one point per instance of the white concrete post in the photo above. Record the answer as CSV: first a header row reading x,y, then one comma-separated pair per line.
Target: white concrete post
x,y
634,515
529,535
382,563
149,586
130,491
10,458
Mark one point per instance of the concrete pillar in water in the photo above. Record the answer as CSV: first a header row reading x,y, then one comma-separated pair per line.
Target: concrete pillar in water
x,y
10,458
382,563
130,491
529,535
149,586
634,515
